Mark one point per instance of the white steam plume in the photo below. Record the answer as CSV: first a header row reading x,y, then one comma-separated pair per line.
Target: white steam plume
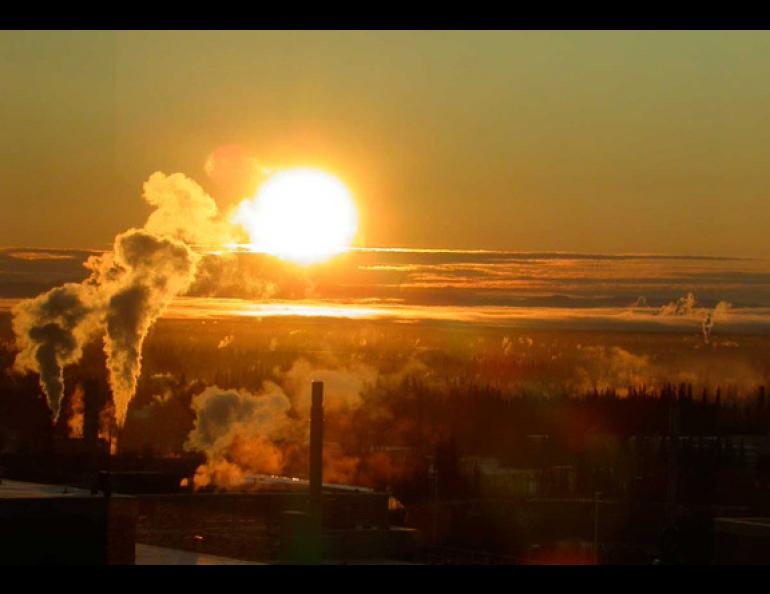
x,y
51,330
158,268
686,306
242,432
128,289
707,327
237,429
681,307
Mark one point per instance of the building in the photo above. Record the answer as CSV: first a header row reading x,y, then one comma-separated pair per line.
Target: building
x,y
57,524
744,541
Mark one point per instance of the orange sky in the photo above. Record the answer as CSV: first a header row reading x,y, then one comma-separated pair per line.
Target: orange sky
x,y
581,141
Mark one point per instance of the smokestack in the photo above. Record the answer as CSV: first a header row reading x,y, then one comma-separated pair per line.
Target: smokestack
x,y
316,467
316,447
301,531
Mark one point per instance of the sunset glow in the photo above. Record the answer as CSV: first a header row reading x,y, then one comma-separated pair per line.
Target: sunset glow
x,y
384,297
304,215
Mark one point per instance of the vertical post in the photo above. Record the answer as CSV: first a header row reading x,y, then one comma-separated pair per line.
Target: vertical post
x,y
316,461
673,461
597,496
433,472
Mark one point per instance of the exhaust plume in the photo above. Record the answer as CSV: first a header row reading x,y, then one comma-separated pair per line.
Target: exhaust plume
x,y
51,330
237,430
265,432
77,407
721,308
686,306
128,289
158,269
681,307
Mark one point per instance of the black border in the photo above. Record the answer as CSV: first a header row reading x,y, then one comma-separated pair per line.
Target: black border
x,y
278,15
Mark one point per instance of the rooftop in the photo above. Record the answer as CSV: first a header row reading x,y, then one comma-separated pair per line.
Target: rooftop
x,y
745,526
22,490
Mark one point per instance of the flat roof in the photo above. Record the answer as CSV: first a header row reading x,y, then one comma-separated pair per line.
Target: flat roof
x,y
744,526
296,483
23,490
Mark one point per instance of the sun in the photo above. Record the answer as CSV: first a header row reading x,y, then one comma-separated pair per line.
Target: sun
x,y
303,215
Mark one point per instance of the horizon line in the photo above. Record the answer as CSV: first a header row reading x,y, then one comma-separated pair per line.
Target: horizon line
x,y
244,249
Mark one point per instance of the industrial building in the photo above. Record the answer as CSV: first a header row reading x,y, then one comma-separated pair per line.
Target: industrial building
x,y
741,541
125,514
56,524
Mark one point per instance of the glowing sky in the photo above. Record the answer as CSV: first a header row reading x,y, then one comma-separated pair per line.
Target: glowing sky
x,y
541,290
598,142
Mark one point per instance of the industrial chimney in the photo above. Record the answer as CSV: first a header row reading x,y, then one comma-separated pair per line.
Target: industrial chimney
x,y
301,530
316,455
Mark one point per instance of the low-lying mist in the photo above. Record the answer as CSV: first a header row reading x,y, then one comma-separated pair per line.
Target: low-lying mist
x,y
238,391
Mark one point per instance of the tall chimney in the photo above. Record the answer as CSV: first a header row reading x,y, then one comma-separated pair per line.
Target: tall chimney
x,y
316,460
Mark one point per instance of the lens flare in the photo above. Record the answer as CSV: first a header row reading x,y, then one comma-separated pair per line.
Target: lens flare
x,y
304,215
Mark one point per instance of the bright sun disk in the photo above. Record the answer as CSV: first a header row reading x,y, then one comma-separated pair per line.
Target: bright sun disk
x,y
304,215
